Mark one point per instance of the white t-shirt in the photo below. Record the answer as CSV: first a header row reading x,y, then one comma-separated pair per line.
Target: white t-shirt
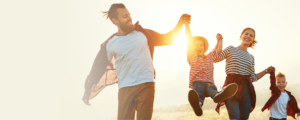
x,y
133,61
278,109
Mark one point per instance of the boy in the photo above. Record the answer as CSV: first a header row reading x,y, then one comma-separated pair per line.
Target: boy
x,y
201,72
282,102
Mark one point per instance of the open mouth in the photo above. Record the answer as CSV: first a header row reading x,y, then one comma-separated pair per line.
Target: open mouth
x,y
247,40
199,50
129,22
281,87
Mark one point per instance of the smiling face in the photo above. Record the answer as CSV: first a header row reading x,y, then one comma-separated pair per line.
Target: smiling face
x,y
281,83
247,37
123,21
199,47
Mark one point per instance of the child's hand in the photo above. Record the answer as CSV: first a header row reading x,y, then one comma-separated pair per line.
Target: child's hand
x,y
271,69
185,19
298,114
219,37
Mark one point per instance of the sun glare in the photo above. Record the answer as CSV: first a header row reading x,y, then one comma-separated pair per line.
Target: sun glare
x,y
181,41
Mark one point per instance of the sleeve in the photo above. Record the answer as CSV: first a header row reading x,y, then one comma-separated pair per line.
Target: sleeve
x,y
253,75
110,53
213,55
272,82
223,55
293,105
161,39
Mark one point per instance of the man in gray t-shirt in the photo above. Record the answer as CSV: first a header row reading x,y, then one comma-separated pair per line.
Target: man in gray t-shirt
x,y
130,51
132,59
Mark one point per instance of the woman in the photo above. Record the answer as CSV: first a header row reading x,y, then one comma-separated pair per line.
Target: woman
x,y
240,70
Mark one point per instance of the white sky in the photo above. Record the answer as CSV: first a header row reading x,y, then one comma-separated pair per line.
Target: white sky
x,y
48,48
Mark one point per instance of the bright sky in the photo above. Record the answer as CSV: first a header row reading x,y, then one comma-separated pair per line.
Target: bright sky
x,y
48,48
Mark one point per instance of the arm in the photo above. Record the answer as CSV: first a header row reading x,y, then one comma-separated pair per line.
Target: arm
x,y
219,45
223,54
189,37
256,77
263,73
214,54
169,38
189,42
273,82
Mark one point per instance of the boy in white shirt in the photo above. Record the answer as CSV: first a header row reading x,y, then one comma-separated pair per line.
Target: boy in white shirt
x,y
282,102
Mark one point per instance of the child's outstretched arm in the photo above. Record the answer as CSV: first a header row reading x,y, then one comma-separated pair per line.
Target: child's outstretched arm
x,y
273,87
188,36
219,45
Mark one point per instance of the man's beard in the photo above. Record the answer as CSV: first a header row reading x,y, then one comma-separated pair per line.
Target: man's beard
x,y
126,28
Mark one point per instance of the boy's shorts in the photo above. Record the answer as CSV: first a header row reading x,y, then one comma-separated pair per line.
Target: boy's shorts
x,y
204,89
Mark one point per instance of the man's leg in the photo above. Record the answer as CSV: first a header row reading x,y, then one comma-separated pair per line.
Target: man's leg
x,y
144,101
126,110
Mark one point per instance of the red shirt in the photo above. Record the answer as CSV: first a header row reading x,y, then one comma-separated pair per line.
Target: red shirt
x,y
202,69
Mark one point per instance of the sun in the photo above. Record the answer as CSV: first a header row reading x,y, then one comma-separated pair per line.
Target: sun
x,y
180,42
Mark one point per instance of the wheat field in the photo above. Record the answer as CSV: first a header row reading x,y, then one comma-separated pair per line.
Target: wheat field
x,y
185,112
210,115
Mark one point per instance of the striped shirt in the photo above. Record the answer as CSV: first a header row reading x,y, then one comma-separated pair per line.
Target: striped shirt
x,y
202,69
238,62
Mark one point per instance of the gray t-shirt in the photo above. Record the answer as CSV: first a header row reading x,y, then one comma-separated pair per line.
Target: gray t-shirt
x,y
133,61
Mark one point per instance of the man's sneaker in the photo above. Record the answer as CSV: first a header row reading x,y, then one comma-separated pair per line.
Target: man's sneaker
x,y
226,92
194,101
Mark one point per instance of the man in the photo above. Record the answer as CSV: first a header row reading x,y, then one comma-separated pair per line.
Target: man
x,y
126,58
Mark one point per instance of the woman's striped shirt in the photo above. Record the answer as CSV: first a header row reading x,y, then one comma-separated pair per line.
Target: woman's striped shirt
x,y
238,62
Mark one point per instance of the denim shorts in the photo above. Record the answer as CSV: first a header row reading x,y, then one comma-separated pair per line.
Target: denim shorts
x,y
204,89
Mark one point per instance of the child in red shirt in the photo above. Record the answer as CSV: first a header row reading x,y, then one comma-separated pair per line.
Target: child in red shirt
x,y
201,72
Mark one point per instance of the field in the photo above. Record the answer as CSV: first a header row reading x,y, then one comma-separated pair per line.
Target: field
x,y
185,112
